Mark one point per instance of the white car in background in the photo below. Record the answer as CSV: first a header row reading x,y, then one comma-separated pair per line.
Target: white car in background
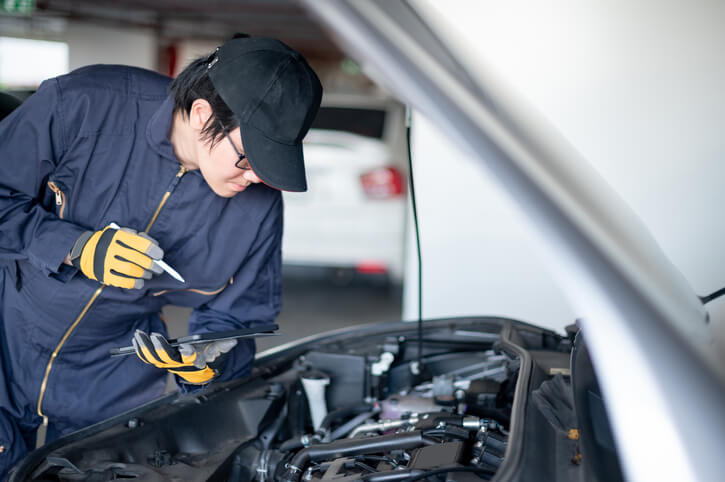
x,y
351,221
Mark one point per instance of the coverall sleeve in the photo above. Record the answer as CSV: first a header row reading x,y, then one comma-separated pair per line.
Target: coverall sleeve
x,y
253,299
32,144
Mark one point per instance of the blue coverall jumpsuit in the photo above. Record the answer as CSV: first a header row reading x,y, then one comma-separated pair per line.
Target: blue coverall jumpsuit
x,y
87,149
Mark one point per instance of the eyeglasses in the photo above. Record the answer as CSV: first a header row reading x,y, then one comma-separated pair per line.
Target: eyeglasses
x,y
240,157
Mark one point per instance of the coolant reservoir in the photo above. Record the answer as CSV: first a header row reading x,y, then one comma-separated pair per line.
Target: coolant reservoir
x,y
314,383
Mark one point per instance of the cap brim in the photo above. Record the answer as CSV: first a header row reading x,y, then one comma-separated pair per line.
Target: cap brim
x,y
277,164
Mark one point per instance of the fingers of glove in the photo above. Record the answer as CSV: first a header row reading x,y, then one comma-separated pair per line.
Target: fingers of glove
x,y
170,355
154,254
143,244
145,349
146,236
144,260
155,251
132,240
191,353
111,278
134,256
213,350
186,349
139,353
225,345
125,268
194,376
156,268
120,250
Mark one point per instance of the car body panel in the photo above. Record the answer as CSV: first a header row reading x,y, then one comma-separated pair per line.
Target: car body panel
x,y
641,316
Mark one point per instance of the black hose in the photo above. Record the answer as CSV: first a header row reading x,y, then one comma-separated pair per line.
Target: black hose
x,y
342,413
299,441
476,470
490,413
297,410
388,476
416,474
291,444
348,426
347,447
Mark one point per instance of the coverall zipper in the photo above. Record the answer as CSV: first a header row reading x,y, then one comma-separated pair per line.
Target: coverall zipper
x,y
54,355
59,197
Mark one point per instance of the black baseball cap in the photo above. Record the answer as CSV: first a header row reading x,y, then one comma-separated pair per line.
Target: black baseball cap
x,y
275,95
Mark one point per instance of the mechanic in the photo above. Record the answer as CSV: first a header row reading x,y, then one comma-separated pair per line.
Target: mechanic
x,y
191,169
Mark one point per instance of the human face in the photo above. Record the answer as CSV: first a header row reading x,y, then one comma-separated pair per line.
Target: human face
x,y
225,166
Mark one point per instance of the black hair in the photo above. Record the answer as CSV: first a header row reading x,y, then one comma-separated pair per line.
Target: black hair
x,y
194,83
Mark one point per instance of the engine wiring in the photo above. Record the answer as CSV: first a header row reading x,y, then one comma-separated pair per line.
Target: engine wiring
x,y
408,122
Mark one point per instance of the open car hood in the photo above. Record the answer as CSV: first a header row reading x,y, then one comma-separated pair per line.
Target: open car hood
x,y
632,302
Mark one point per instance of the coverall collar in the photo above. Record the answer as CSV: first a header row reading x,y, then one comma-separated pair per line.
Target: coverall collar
x,y
159,129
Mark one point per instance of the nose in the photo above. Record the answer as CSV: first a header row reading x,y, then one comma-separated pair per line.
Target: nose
x,y
251,177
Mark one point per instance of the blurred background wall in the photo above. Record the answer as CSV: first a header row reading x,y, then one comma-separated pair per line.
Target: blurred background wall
x,y
637,89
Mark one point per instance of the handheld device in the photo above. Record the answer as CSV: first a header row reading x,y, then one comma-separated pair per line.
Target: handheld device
x,y
257,331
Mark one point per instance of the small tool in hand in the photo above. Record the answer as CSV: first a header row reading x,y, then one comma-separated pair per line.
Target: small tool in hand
x,y
160,262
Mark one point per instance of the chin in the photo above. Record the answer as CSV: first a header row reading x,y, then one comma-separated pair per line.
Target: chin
x,y
227,193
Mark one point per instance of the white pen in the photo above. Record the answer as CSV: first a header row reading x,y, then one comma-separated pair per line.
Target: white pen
x,y
165,266
160,262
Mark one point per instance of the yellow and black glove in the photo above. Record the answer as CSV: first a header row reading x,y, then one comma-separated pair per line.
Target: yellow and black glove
x,y
117,257
197,364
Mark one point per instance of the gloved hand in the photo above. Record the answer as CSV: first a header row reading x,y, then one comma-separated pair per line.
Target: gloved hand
x,y
116,257
198,363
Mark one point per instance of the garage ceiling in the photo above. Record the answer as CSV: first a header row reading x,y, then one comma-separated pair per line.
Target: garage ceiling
x,y
209,19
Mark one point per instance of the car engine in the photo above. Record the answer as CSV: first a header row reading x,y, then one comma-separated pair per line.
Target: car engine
x,y
377,403
380,416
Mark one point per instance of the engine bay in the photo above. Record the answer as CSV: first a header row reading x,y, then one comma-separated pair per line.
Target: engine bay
x,y
366,406
364,417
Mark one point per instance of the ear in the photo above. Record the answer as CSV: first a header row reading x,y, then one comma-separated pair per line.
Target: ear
x,y
199,113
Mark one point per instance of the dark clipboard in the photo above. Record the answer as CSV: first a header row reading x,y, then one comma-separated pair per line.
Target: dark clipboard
x,y
257,331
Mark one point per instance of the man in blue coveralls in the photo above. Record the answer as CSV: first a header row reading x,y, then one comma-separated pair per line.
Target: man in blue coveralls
x,y
191,171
